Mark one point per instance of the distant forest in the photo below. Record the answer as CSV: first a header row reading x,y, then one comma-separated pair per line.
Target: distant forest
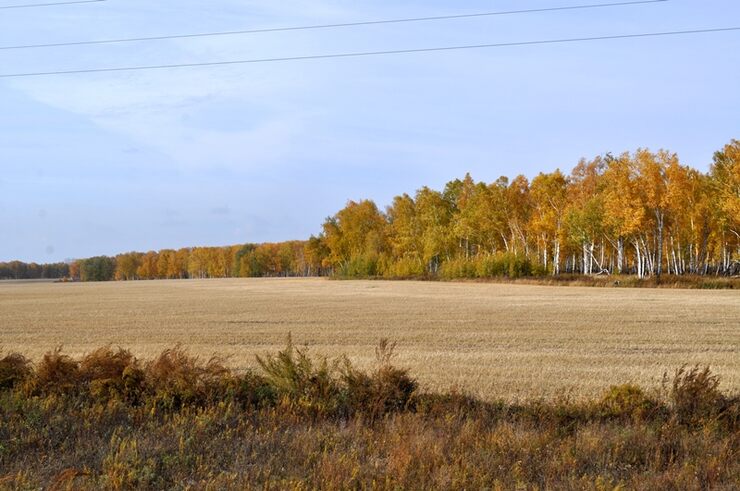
x,y
640,213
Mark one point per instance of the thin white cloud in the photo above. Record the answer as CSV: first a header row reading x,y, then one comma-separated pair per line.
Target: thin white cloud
x,y
151,108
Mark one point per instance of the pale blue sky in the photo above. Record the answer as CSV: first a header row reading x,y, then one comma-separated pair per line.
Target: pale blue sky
x,y
106,163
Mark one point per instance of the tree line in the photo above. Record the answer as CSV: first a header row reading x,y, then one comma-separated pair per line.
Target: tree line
x,y
640,213
293,258
17,270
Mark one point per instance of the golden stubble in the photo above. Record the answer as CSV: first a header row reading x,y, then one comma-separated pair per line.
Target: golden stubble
x,y
489,340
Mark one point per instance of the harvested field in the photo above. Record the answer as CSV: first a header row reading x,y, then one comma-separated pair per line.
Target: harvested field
x,y
489,340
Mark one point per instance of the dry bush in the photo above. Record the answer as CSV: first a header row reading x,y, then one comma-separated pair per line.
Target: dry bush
x,y
106,363
14,370
218,447
65,480
112,374
177,378
385,390
695,395
57,372
729,412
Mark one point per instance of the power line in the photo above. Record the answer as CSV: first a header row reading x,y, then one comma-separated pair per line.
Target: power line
x,y
368,53
330,26
31,5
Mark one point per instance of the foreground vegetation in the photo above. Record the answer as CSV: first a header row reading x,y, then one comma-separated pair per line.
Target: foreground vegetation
x,y
642,214
108,420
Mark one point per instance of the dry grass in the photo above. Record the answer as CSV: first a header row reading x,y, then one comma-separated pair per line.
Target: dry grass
x,y
490,340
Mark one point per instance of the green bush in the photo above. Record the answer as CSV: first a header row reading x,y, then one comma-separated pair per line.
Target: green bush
x,y
364,266
519,266
493,266
301,381
101,268
253,390
627,402
501,264
458,268
404,268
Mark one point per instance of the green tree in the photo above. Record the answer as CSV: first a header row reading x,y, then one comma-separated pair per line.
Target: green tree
x,y
100,268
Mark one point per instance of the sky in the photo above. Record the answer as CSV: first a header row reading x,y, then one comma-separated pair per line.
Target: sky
x,y
106,163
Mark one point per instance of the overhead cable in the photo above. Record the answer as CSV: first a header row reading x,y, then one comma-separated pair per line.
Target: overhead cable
x,y
327,26
52,4
368,53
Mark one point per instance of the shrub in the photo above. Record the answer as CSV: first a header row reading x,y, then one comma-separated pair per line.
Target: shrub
x,y
492,267
387,389
14,369
362,266
252,390
394,389
729,412
56,373
133,384
404,268
501,264
537,270
178,379
336,387
112,373
458,268
105,363
301,381
519,266
695,395
627,402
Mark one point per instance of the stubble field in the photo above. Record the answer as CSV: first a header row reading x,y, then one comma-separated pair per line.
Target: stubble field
x,y
488,340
